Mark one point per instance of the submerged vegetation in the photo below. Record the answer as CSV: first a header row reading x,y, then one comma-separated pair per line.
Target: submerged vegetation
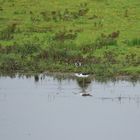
x,y
99,37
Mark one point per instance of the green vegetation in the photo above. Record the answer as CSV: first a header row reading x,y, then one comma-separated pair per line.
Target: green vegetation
x,y
50,35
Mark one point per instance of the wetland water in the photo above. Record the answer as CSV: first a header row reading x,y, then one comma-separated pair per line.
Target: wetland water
x,y
49,108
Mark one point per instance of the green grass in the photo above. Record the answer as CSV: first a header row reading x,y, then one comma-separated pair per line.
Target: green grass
x,y
40,35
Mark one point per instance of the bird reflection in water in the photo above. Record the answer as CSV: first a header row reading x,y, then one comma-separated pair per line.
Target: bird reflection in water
x,y
36,78
84,84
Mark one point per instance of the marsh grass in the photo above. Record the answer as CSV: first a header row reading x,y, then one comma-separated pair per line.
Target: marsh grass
x,y
7,33
133,42
43,35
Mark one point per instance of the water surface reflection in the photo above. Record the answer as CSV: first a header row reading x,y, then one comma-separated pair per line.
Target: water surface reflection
x,y
50,107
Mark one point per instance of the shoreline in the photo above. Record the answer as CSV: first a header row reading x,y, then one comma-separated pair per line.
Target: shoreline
x,y
70,75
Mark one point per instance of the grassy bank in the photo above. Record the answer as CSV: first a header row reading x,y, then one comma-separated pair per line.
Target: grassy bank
x,y
102,36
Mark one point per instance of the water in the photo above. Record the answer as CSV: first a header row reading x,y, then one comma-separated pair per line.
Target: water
x,y
52,109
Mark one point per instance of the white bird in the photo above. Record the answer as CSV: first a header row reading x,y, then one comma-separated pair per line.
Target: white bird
x,y
82,75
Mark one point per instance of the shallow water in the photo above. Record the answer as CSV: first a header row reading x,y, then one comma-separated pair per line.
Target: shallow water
x,y
52,109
